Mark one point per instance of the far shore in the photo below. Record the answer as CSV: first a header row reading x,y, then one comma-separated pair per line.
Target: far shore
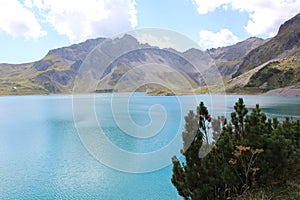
x,y
284,92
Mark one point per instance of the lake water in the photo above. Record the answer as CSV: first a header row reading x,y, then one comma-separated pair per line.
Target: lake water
x,y
42,156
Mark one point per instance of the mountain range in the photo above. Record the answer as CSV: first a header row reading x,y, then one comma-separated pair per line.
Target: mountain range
x,y
270,66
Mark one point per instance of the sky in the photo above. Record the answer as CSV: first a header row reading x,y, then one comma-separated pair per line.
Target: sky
x,y
30,28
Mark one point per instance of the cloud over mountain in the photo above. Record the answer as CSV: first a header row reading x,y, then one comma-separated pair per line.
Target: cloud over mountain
x,y
75,19
264,16
17,21
224,37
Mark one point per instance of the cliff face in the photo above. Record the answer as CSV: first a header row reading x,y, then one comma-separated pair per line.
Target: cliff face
x,y
283,44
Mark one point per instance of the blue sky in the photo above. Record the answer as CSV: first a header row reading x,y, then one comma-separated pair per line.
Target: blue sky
x,y
30,28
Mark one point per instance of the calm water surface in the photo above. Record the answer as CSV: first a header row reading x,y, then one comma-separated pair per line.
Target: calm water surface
x,y
42,157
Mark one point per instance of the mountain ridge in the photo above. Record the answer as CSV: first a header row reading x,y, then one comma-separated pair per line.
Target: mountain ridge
x,y
56,71
287,38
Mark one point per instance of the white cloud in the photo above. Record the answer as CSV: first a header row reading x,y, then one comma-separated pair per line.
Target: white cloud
x,y
133,13
161,41
79,19
18,21
28,4
163,38
206,6
209,39
265,16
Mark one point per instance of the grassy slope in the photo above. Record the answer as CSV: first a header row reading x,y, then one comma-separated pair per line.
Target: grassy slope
x,y
282,73
272,74
18,80
21,79
127,79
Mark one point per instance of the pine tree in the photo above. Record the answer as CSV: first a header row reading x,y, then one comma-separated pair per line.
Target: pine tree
x,y
251,152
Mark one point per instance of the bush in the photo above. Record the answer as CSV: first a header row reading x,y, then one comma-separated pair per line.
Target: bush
x,y
251,152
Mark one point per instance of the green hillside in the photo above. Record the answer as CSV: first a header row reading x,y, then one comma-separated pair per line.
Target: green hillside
x,y
277,74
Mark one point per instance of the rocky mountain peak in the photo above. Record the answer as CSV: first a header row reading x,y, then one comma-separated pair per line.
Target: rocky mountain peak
x,y
294,22
76,51
285,42
236,51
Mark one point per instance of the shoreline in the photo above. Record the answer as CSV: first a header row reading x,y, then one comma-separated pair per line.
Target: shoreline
x,y
279,92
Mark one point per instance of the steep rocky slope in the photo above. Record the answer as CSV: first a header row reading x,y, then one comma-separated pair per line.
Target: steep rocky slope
x,y
283,44
227,59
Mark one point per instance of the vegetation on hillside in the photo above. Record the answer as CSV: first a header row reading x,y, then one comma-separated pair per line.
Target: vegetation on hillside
x,y
277,74
251,157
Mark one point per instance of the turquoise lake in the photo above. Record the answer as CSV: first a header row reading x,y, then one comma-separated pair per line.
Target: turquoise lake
x,y
42,155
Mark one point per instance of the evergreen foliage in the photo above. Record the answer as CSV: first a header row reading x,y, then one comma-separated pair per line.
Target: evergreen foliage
x,y
249,153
